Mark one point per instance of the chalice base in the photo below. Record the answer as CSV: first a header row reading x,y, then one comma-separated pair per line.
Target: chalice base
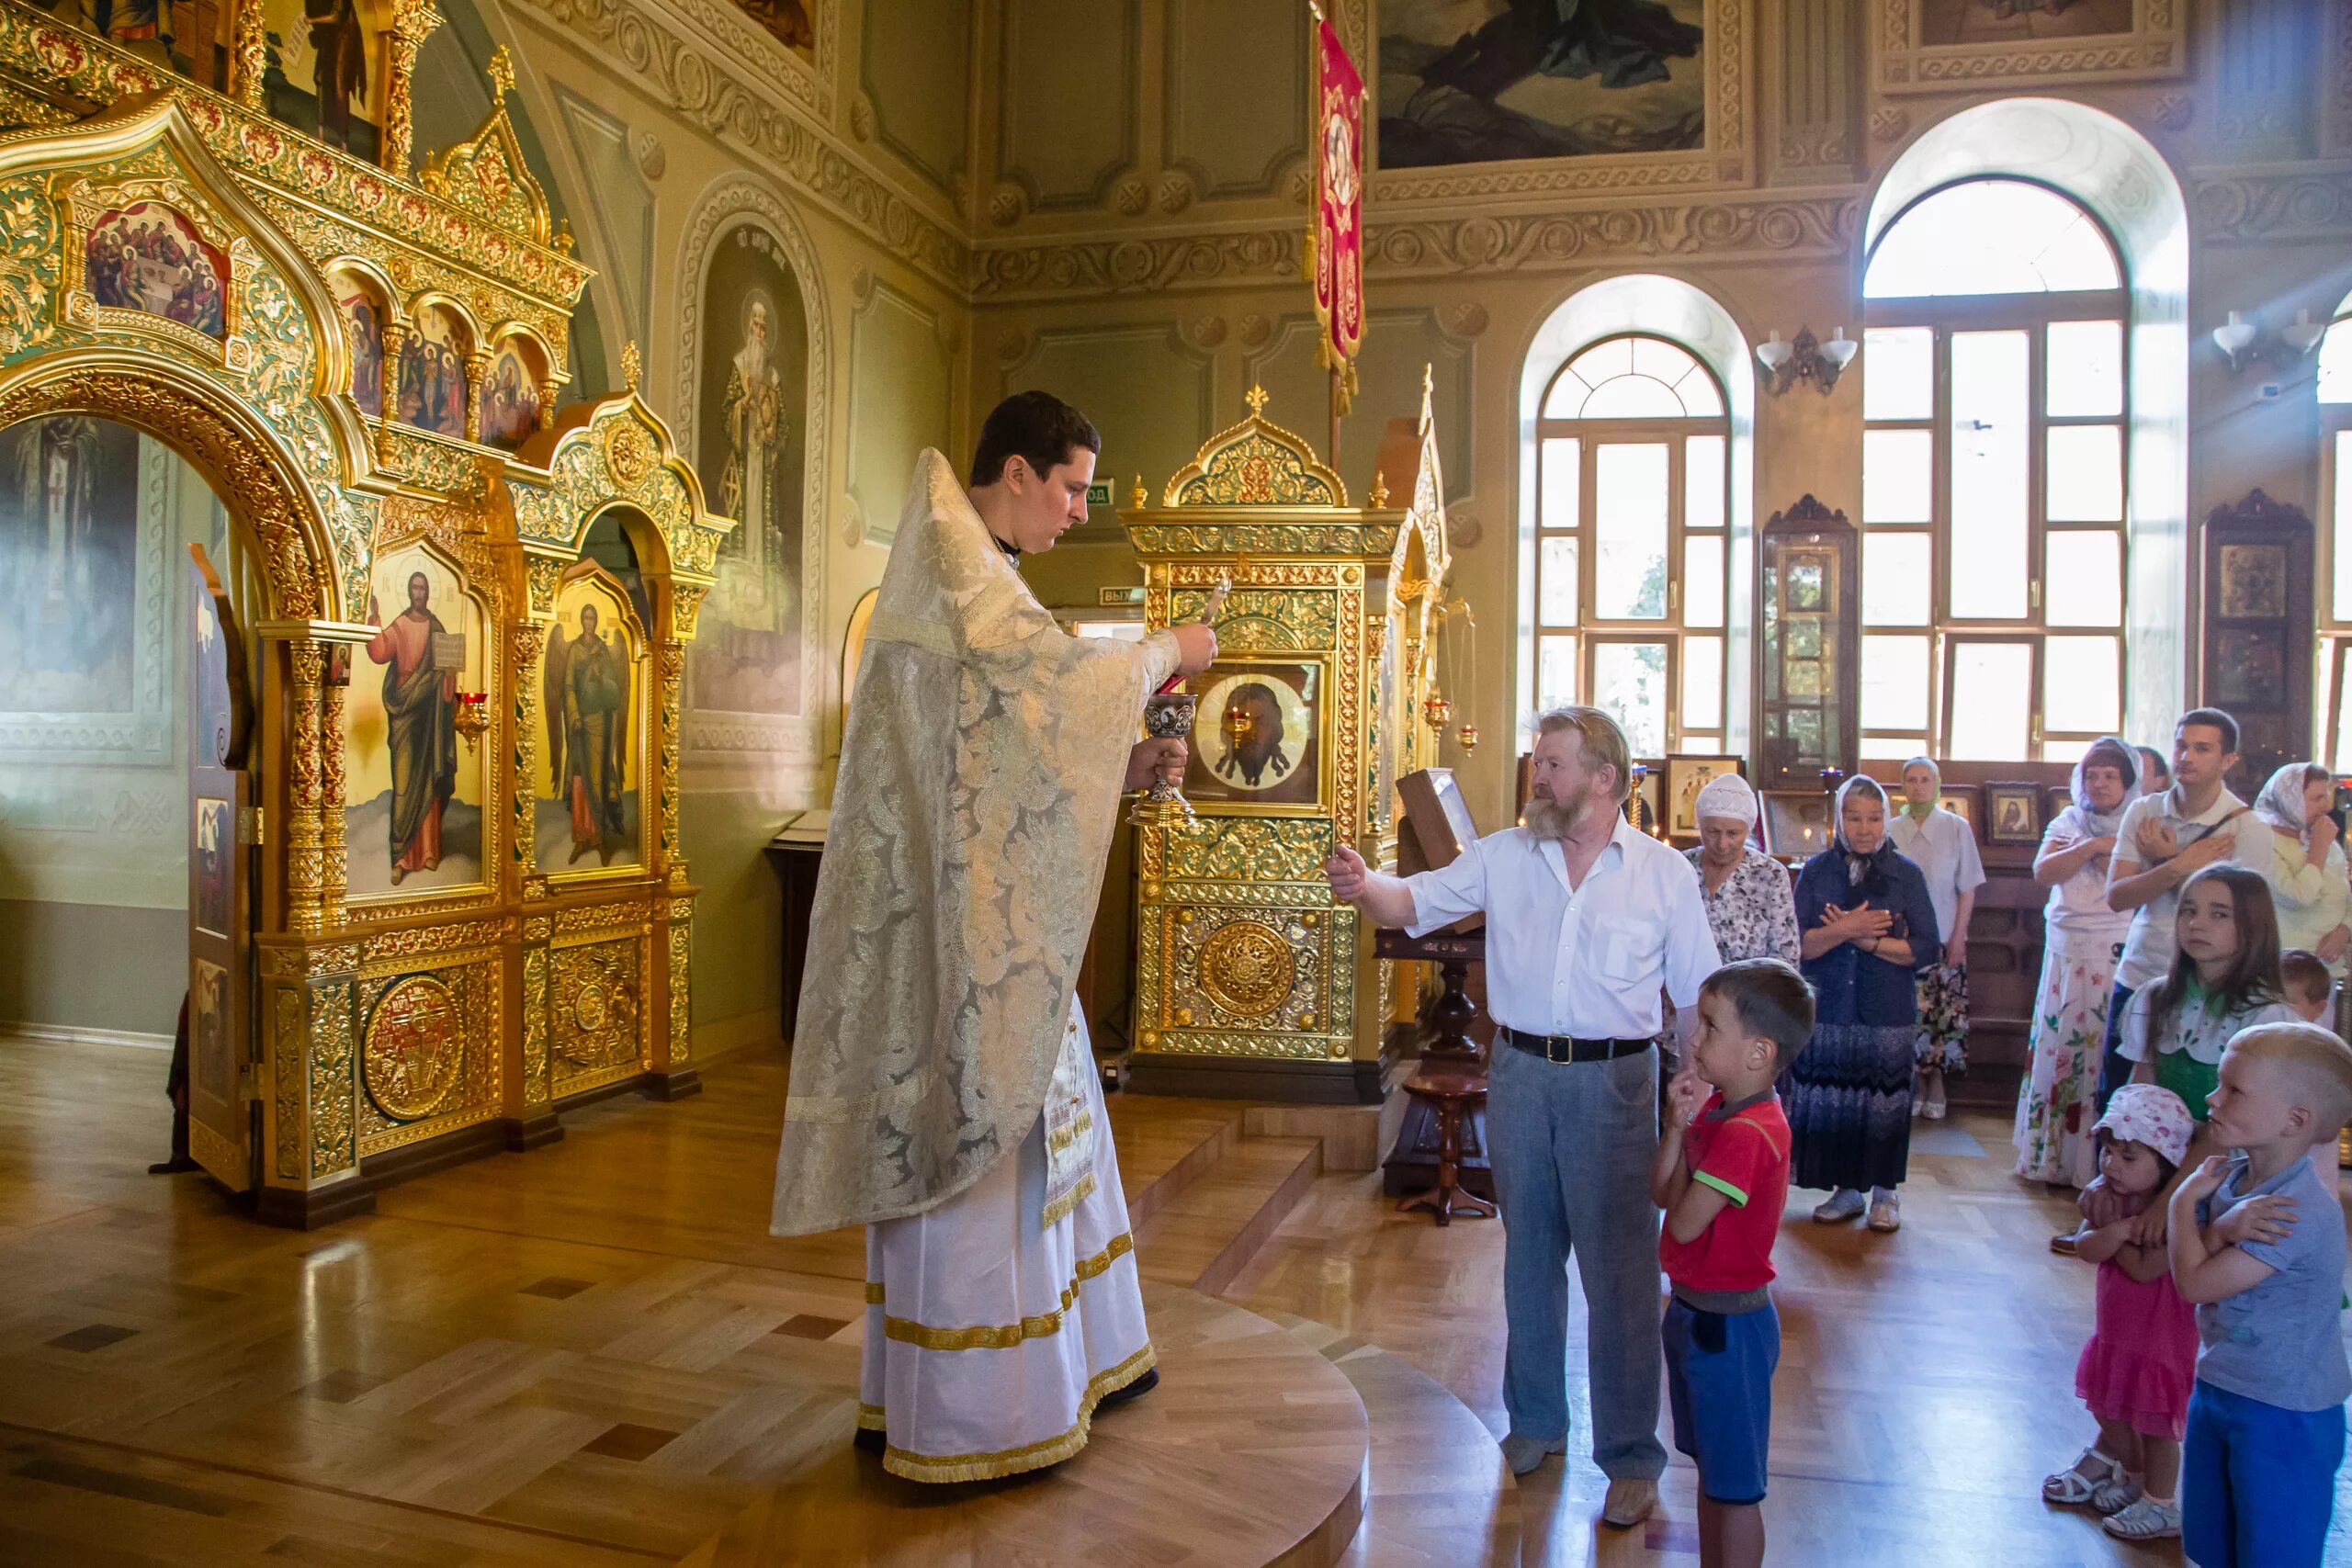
x,y
1154,810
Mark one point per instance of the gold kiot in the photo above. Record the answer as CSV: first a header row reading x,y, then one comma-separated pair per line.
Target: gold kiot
x,y
1002,1336
1013,1462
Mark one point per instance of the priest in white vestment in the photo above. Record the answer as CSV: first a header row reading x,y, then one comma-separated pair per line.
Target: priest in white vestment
x,y
943,1093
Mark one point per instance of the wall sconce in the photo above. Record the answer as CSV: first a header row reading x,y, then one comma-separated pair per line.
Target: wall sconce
x,y
2243,342
1805,360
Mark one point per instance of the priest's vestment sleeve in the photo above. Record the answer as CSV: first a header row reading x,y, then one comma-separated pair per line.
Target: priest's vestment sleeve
x,y
982,760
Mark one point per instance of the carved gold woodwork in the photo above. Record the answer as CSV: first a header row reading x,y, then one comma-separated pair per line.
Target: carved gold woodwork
x,y
394,1019
1241,952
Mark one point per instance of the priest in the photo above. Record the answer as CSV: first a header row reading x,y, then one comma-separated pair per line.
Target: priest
x,y
944,1092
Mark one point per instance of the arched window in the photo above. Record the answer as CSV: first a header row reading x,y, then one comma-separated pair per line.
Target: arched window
x,y
2334,598
1630,562
1995,396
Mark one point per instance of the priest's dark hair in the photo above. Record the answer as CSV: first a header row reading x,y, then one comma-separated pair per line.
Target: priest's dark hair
x,y
1036,428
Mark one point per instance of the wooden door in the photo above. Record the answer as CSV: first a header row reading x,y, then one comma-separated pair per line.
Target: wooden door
x,y
222,1079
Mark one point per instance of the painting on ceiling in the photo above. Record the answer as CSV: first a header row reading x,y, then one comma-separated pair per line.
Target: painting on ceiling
x,y
1478,81
792,23
2020,21
752,397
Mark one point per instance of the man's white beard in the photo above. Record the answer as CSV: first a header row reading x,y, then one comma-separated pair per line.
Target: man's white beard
x,y
1554,818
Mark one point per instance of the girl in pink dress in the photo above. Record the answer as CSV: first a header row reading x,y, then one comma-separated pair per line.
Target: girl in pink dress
x,y
2135,1373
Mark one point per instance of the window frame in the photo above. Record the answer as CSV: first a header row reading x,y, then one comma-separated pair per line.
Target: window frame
x,y
1943,316
1590,630
2335,634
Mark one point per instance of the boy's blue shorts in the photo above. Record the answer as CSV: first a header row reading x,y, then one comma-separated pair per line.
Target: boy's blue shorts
x,y
1719,1381
2257,1483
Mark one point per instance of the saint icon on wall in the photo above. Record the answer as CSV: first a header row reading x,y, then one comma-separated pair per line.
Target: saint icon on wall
x,y
589,746
420,660
432,374
750,434
1254,735
510,398
363,326
149,258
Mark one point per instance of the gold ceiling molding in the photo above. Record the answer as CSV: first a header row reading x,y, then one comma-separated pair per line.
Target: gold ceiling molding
x,y
2150,51
1762,228
730,99
2298,202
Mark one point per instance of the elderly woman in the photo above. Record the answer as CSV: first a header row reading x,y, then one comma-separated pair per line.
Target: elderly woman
x,y
1749,906
2058,1098
1943,846
2306,873
1868,928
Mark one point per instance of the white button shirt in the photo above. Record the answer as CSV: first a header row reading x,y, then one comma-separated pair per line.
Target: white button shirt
x,y
1588,961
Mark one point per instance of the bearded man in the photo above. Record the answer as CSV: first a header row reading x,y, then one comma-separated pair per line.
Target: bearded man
x,y
420,724
1587,920
943,1094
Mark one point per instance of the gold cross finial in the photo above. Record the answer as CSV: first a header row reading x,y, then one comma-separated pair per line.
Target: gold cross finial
x,y
1256,399
1139,497
632,365
1379,490
501,74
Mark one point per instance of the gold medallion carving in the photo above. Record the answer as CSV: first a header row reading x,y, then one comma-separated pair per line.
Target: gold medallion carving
x,y
415,1048
628,451
1247,968
588,1009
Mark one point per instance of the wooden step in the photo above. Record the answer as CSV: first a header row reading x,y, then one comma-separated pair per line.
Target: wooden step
x,y
1203,1236
1164,1145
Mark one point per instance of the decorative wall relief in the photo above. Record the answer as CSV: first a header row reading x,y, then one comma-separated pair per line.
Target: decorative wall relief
x,y
1943,45
413,784
589,731
751,429
1507,80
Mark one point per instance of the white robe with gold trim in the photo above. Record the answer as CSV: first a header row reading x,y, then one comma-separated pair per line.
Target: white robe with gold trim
x,y
996,1321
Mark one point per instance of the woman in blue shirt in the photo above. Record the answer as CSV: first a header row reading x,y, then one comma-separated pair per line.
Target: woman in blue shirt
x,y
1868,927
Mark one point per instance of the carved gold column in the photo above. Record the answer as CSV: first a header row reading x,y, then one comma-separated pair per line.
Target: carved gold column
x,y
671,663
248,55
305,791
526,641
334,862
412,23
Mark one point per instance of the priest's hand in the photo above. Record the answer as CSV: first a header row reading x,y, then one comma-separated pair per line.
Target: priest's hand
x,y
1195,647
1153,760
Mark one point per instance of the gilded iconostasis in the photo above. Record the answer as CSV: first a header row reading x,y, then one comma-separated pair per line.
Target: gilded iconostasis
x,y
837,234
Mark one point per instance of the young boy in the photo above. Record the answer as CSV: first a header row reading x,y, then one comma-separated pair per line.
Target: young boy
x,y
2311,990
1722,1175
2266,1420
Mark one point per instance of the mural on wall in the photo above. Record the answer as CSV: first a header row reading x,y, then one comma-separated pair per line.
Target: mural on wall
x,y
587,801
363,325
791,23
510,397
2020,21
433,372
69,528
1474,81
147,257
753,392
414,789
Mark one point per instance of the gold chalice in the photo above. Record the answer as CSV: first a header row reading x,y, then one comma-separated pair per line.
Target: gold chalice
x,y
1167,715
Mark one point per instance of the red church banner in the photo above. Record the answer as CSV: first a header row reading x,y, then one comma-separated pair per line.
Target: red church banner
x,y
1336,256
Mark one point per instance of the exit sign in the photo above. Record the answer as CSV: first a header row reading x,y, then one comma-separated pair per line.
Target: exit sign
x,y
1099,493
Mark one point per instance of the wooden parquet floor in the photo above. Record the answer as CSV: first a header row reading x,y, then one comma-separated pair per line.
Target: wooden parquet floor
x,y
594,1355
1926,1382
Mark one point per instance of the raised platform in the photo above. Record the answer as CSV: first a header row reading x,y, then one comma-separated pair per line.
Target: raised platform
x,y
597,1355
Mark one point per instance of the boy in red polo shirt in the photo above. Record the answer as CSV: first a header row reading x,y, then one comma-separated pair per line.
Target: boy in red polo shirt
x,y
1722,1177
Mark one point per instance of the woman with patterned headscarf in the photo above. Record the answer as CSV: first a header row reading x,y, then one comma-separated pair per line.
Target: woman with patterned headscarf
x,y
2058,1098
1749,907
1869,926
2307,870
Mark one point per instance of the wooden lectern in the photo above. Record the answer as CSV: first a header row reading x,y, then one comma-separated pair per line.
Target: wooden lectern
x,y
1435,826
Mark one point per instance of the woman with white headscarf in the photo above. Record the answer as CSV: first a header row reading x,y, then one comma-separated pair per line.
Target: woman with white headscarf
x,y
1749,907
2307,870
1868,927
2058,1098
